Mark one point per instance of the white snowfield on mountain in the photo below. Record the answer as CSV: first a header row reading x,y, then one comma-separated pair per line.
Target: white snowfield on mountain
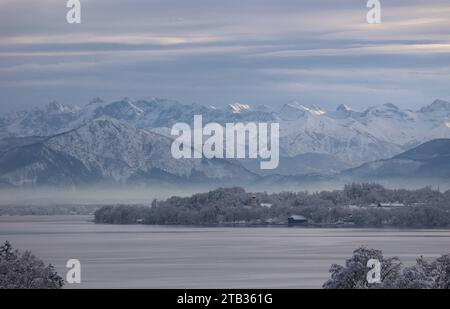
x,y
238,107
352,136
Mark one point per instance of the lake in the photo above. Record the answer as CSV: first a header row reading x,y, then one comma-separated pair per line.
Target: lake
x,y
115,256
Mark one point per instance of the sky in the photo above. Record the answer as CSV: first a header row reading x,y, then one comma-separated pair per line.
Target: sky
x,y
220,52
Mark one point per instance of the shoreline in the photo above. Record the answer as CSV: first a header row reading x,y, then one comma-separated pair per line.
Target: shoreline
x,y
91,219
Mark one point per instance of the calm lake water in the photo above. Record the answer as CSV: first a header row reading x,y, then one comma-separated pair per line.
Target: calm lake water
x,y
114,256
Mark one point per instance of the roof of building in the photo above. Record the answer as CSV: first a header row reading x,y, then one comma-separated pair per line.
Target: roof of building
x,y
391,205
297,217
266,205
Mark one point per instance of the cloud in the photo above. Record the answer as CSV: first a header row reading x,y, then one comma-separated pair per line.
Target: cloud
x,y
92,38
363,73
213,52
398,49
303,87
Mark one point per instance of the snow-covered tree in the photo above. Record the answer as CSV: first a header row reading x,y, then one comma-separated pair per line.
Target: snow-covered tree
x,y
24,271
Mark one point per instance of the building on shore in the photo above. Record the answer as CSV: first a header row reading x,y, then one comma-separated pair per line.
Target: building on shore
x,y
297,220
391,205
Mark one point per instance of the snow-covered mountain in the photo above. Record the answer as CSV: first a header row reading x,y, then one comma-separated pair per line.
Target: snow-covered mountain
x,y
430,160
304,164
351,136
108,151
344,111
378,132
313,130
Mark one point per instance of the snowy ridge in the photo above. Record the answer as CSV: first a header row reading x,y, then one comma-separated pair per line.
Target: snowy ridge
x,y
107,150
237,108
352,136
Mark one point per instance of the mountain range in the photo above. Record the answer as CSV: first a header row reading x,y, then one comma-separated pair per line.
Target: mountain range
x,y
108,151
430,160
127,142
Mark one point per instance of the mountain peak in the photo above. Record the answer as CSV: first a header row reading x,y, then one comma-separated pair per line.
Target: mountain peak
x,y
56,107
344,111
428,150
295,110
422,163
122,108
316,110
161,100
386,108
238,108
391,106
313,109
344,108
96,100
436,106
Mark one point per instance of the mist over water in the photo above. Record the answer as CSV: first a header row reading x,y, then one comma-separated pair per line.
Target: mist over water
x,y
103,195
89,196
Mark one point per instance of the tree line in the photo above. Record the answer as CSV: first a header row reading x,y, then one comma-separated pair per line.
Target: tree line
x,y
426,207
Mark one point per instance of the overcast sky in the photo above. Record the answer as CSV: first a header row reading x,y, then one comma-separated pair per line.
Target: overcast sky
x,y
220,52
